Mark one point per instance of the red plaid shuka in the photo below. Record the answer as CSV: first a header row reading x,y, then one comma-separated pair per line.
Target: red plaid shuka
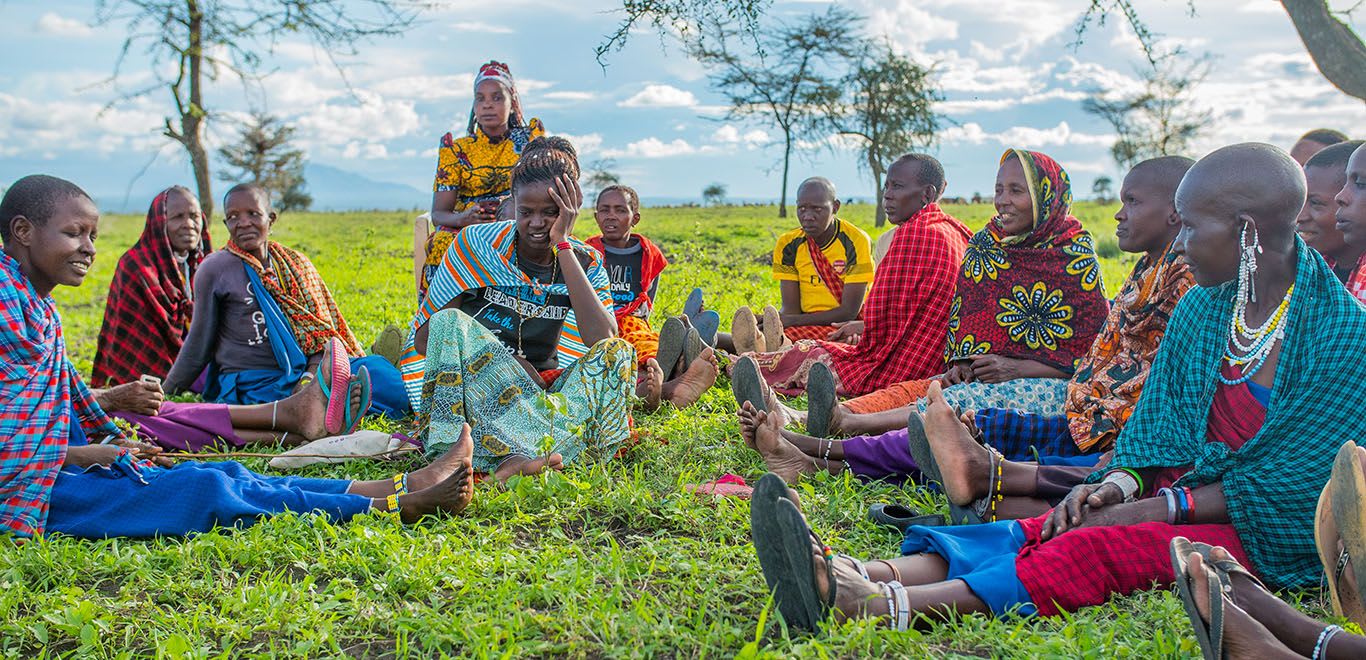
x,y
39,389
908,309
652,263
304,298
148,312
831,278
1036,296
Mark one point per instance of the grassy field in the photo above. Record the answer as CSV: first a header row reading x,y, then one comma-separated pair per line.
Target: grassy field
x,y
603,560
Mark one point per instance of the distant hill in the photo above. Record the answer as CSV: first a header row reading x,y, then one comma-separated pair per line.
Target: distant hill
x,y
339,190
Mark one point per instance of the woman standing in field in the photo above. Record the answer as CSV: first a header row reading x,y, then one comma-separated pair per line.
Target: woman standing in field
x,y
509,310
473,173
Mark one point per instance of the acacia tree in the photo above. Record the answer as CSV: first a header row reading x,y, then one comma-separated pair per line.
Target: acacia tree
x,y
789,80
682,17
202,39
889,108
263,155
1103,188
1335,47
714,194
598,175
1160,120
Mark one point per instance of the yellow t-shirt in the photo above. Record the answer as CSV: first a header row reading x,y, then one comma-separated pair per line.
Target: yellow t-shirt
x,y
849,251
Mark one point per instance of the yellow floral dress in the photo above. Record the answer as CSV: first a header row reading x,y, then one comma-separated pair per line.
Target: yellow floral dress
x,y
477,170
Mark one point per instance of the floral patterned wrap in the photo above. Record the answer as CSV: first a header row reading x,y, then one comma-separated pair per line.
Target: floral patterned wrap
x,y
1036,296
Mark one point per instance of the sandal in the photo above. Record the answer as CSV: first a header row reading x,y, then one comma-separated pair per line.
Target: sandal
x,y
692,347
919,445
352,419
747,384
707,323
744,331
773,329
820,398
671,339
693,305
335,387
1211,635
782,540
902,518
1346,492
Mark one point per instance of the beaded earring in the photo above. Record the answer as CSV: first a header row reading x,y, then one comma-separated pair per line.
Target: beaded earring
x,y
1247,265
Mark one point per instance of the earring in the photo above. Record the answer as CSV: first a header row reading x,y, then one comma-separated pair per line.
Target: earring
x,y
1247,266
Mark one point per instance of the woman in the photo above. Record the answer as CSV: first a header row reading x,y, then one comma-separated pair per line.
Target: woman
x,y
262,316
473,173
490,339
1028,304
150,298
1251,389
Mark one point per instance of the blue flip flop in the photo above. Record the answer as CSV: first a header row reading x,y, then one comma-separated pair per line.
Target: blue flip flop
x,y
693,306
707,323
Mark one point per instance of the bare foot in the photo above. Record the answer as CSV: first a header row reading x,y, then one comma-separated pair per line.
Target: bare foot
x,y
526,467
450,496
1244,637
964,465
651,385
685,390
442,467
305,411
855,597
782,457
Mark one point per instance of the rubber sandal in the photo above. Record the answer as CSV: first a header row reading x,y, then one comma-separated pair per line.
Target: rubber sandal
x,y
770,488
692,347
1347,499
352,422
820,400
671,338
1225,567
693,306
773,329
335,388
919,445
389,344
1210,636
744,331
901,518
746,383
1334,561
707,323
782,541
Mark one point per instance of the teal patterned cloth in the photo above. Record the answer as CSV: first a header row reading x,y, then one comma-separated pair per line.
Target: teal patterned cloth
x,y
470,376
1272,483
1041,396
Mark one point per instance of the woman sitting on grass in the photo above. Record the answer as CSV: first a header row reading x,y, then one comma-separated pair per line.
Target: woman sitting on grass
x,y
262,315
488,342
1253,386
53,481
151,296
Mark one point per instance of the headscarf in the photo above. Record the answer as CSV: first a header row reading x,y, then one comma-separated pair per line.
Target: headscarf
x,y
1036,296
1109,380
499,73
148,311
908,307
39,390
1272,483
303,296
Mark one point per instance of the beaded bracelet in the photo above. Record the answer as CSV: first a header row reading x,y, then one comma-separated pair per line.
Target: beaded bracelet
x,y
563,246
1322,645
1137,479
1128,485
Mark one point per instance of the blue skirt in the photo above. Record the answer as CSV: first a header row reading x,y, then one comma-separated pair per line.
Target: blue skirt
x,y
387,396
125,500
983,556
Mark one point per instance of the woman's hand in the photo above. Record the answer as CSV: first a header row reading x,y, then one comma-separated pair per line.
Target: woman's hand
x,y
959,372
144,450
848,332
569,196
1081,504
995,369
86,456
478,213
139,397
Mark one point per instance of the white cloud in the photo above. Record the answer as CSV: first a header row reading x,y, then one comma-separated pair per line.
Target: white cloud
x,y
653,147
569,96
729,134
372,118
584,144
481,27
1025,137
660,96
967,106
55,24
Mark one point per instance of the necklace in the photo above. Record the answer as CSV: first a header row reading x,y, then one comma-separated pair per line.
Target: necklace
x,y
1248,348
535,289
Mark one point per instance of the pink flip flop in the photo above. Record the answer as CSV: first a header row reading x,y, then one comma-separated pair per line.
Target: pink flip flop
x,y
337,388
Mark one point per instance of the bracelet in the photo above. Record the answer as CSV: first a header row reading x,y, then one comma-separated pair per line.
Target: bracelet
x,y
1322,645
1128,485
1182,506
1190,505
1137,479
564,246
1166,493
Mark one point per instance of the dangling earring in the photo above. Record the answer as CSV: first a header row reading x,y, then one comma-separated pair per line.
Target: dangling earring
x,y
1247,266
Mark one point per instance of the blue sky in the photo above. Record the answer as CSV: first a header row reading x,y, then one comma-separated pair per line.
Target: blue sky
x,y
1008,70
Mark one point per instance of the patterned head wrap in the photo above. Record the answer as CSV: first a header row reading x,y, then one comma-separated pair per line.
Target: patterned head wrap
x,y
499,73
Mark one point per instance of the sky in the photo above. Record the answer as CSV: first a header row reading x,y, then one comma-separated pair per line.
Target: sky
x,y
1011,73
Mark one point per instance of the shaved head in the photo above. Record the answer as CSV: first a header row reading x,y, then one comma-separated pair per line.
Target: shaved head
x,y
1250,187
1164,172
821,183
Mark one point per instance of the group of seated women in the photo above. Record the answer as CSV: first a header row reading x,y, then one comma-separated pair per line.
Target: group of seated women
x,y
1181,432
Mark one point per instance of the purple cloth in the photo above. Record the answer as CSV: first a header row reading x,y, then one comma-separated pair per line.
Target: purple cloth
x,y
186,426
885,457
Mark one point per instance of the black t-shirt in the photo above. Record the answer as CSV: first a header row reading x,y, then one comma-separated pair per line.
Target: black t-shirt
x,y
623,269
522,316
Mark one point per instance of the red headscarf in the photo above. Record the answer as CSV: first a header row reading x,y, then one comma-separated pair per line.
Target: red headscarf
x,y
148,312
1036,296
499,73
908,308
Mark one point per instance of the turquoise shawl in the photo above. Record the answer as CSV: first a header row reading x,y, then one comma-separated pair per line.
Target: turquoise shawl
x,y
1273,483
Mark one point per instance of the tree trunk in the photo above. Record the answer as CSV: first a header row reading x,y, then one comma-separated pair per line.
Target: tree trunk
x,y
787,160
879,216
192,118
1337,51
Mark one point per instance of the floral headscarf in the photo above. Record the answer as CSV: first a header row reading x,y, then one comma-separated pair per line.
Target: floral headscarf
x,y
1036,296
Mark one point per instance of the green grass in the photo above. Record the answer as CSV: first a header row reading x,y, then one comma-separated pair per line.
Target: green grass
x,y
603,560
